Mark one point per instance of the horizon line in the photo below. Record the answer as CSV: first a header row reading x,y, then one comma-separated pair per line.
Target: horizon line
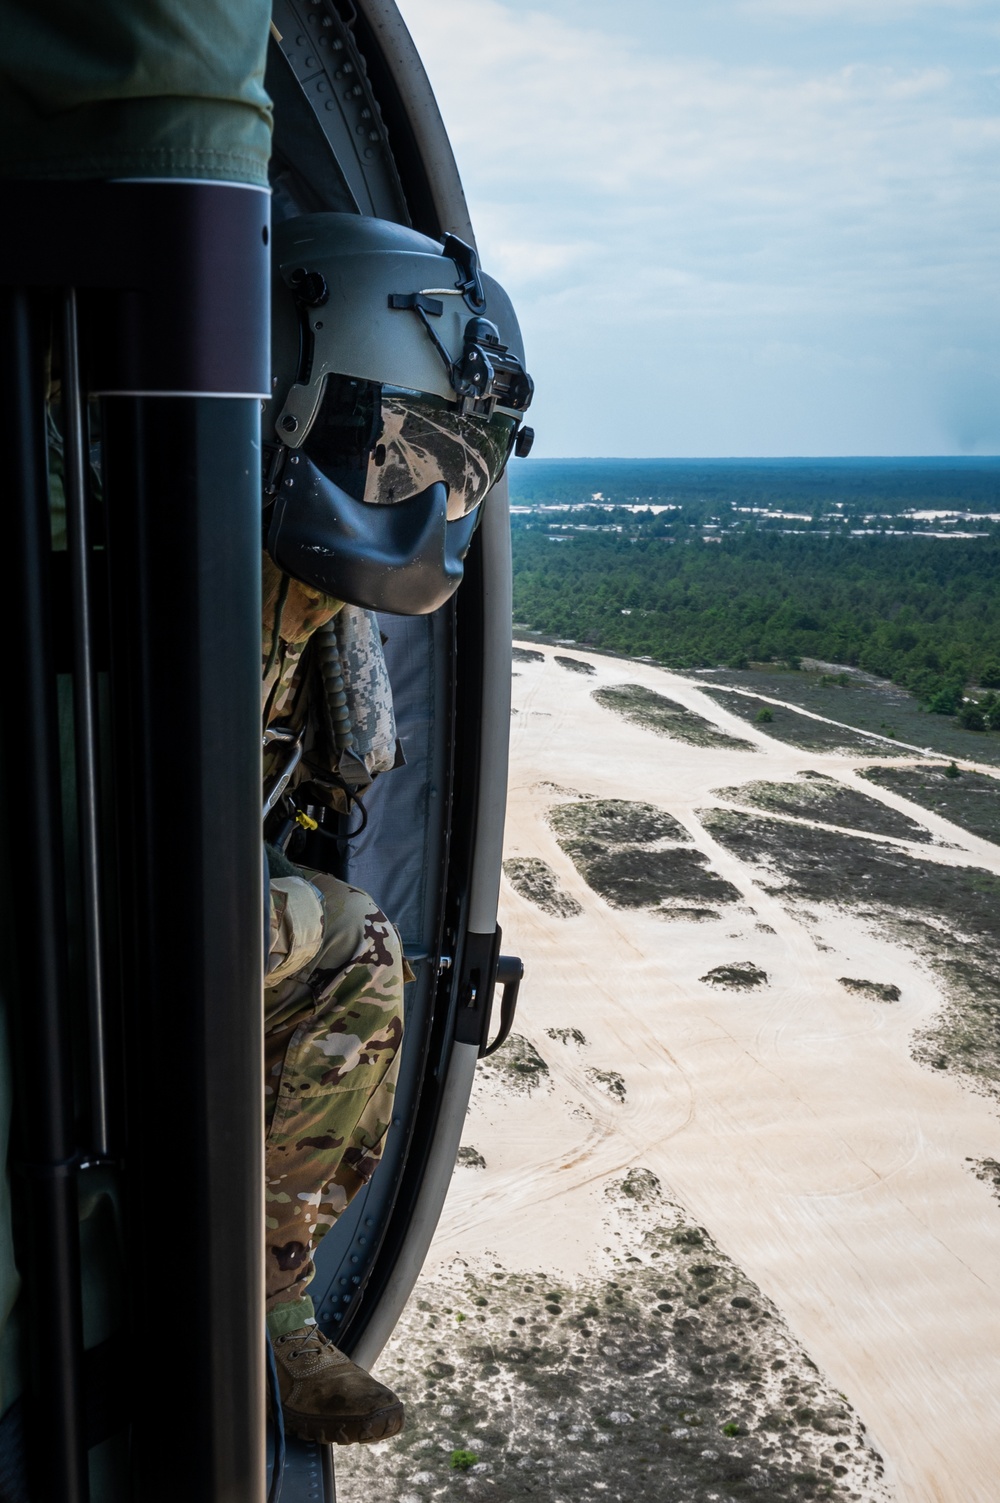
x,y
754,458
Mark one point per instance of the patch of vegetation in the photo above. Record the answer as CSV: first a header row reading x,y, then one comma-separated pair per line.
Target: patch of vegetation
x,y
470,1158
876,991
615,846
678,911
535,880
527,655
868,704
629,877
789,726
623,1384
742,976
641,1185
567,1035
823,865
517,1064
608,1081
654,712
460,1460
616,821
816,796
988,1170
950,915
970,800
575,665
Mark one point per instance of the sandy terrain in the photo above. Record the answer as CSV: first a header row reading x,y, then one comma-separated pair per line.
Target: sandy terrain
x,y
788,1118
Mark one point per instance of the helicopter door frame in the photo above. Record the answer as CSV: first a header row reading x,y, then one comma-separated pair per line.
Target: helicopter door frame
x,y
425,155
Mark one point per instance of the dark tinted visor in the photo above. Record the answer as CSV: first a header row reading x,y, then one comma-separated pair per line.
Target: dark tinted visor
x,y
384,444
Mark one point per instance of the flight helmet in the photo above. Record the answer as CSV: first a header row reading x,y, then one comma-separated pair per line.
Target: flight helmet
x,y
399,391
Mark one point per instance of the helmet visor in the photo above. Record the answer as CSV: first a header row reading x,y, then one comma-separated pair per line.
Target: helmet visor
x,y
423,440
384,444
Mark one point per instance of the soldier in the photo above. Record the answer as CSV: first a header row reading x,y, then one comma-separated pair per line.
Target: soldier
x,y
399,392
333,1020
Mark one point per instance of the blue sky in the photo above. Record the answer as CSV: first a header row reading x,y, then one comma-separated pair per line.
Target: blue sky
x,y
737,227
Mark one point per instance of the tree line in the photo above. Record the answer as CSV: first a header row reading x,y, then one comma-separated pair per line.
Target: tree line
x,y
924,613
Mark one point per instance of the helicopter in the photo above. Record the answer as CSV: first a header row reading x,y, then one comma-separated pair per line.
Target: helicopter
x,y
130,811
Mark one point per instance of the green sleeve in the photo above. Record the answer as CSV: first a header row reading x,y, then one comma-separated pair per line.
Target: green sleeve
x,y
134,88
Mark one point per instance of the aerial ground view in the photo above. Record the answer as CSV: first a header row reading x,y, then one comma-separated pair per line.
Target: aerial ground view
x,y
726,1220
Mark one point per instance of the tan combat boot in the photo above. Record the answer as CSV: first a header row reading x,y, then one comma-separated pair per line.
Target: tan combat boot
x,y
326,1397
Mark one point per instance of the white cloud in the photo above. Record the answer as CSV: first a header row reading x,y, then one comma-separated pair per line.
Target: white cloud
x,y
535,260
693,218
869,12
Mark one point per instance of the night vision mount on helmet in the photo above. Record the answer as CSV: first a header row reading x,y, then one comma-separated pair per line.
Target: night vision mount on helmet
x,y
399,393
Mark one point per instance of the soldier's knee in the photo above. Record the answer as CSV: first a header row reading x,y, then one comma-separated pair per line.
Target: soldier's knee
x,y
354,928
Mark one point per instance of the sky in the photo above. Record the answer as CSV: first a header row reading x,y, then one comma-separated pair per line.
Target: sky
x,y
737,227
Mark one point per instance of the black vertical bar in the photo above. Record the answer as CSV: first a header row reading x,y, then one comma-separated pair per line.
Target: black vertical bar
x,y
84,719
32,899
183,517
329,1476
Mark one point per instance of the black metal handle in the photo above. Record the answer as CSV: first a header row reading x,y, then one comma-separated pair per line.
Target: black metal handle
x,y
509,975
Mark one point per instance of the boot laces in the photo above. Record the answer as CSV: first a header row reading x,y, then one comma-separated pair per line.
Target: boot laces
x,y
308,1340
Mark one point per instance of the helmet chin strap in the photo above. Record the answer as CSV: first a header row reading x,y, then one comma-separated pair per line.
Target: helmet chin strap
x,y
407,558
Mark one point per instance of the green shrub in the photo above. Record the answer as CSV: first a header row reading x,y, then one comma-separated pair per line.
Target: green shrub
x,y
462,1460
945,701
764,716
971,717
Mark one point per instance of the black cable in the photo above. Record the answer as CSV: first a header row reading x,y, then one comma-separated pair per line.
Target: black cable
x,y
353,834
344,838
278,1422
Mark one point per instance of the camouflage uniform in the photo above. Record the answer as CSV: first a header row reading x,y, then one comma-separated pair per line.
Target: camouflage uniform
x,y
333,1023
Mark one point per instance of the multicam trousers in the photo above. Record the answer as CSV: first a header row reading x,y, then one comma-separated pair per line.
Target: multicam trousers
x,y
332,1031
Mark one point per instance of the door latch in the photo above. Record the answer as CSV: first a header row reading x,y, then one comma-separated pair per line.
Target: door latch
x,y
484,969
509,975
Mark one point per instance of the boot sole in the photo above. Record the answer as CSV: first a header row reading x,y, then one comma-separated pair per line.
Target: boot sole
x,y
346,1430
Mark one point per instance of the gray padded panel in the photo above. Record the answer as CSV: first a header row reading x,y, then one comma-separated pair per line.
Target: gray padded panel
x,y
398,861
398,857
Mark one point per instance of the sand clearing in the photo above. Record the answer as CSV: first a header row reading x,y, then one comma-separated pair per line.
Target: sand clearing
x,y
788,1118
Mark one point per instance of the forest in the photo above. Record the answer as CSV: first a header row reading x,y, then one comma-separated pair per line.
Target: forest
x,y
922,612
